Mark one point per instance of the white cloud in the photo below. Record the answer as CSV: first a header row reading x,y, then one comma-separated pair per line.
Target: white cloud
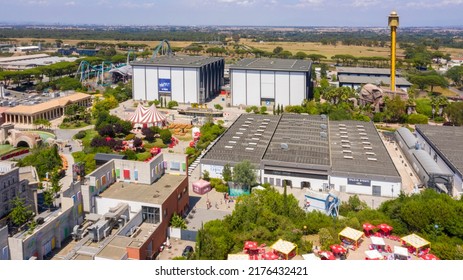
x,y
364,3
134,5
434,4
309,3
38,2
239,2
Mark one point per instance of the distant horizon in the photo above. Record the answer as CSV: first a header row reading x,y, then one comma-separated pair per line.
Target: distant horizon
x,y
253,13
43,24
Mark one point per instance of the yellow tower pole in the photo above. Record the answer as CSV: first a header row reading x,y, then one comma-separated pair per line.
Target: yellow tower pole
x,y
393,24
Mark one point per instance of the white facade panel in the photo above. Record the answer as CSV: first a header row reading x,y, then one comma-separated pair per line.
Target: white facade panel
x,y
282,88
215,171
238,87
297,88
268,85
296,182
164,72
177,85
139,83
152,83
103,205
253,88
388,189
191,85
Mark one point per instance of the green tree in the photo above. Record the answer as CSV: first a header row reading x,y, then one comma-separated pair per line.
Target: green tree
x,y
206,175
244,174
395,108
325,238
227,173
300,55
455,113
165,136
20,213
48,198
456,75
277,50
177,222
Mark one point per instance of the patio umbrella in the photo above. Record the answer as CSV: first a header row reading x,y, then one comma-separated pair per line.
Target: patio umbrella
x,y
326,255
368,227
270,256
385,227
250,245
338,249
429,257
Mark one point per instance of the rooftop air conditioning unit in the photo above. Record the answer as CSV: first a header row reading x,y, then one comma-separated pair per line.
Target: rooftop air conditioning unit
x,y
284,146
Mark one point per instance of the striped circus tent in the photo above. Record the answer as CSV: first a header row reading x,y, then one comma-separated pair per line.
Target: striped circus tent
x,y
147,117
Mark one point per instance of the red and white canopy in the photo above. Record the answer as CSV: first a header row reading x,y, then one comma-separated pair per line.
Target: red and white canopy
x,y
147,115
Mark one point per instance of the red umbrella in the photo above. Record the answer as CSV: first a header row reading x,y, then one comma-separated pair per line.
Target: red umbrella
x,y
338,249
385,227
368,227
250,245
270,256
326,255
429,257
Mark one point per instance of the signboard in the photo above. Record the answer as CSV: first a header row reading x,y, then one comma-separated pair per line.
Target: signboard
x,y
164,85
358,182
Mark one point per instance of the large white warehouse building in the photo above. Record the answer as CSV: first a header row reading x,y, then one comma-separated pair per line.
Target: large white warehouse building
x,y
185,79
263,81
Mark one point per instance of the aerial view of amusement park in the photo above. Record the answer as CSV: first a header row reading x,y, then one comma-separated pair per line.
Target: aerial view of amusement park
x,y
273,141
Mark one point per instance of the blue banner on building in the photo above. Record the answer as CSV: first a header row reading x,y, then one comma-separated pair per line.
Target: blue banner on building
x,y
358,182
164,85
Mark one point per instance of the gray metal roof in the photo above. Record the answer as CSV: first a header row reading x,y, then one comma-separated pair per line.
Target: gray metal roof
x,y
108,157
346,79
276,64
181,61
407,137
246,139
447,140
302,135
426,161
365,71
356,147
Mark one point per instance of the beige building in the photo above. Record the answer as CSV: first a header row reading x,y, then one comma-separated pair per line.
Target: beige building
x,y
49,110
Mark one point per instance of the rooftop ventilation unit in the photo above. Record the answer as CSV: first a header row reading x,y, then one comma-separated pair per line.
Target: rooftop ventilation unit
x,y
344,136
367,148
364,138
235,137
342,125
348,157
251,119
250,149
345,141
323,126
266,120
242,128
239,133
366,143
245,125
255,139
284,146
323,116
362,133
361,126
347,151
372,159
228,147
370,153
232,142
252,143
346,146
323,135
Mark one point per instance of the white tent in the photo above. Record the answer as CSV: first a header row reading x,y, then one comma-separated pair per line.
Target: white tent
x,y
377,241
373,254
147,116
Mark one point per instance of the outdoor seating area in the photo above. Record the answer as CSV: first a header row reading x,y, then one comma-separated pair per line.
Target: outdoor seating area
x,y
381,244
280,250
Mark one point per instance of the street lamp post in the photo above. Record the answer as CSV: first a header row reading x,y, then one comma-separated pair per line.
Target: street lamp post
x,y
392,190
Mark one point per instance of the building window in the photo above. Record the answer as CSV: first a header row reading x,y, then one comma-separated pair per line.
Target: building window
x,y
5,196
179,196
265,180
272,181
279,182
150,214
13,193
184,190
23,187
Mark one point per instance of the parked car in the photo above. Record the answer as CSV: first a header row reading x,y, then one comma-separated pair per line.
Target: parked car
x,y
187,251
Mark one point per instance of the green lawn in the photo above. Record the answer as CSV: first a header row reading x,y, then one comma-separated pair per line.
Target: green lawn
x,y
44,135
5,149
89,135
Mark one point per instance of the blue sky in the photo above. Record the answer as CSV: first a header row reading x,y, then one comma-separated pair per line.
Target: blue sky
x,y
234,12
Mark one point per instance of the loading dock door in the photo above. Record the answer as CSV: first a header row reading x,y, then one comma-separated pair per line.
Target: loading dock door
x,y
377,190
